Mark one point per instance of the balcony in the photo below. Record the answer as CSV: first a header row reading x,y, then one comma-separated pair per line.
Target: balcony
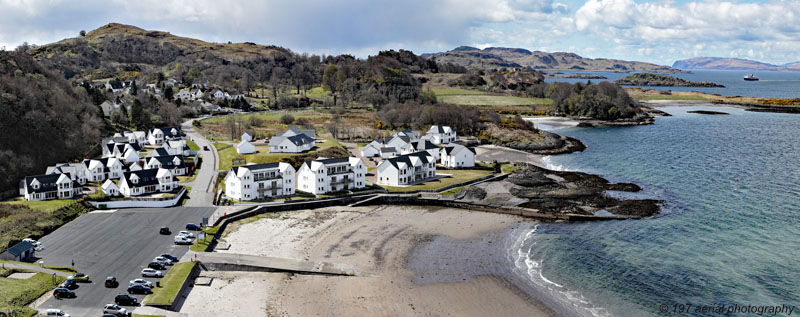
x,y
346,171
267,177
343,180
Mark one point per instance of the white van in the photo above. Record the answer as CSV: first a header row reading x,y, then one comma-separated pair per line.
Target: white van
x,y
56,313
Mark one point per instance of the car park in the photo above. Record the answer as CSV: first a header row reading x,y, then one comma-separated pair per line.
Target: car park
x,y
156,266
139,289
194,227
125,299
115,309
63,293
111,282
80,278
55,313
164,230
186,234
141,281
152,273
170,256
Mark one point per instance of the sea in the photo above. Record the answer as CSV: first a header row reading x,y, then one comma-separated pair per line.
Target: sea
x,y
770,84
728,232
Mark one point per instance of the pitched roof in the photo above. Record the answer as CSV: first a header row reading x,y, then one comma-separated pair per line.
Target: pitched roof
x,y
423,145
256,167
159,152
18,248
452,148
388,150
300,139
167,161
47,183
146,177
423,156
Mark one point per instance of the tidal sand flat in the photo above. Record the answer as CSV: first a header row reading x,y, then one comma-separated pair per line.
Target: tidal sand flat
x,y
411,260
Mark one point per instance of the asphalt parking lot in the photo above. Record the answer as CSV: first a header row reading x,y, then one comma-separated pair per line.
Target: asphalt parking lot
x,y
113,243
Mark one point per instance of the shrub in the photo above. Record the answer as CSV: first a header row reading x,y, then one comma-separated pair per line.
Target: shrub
x,y
287,119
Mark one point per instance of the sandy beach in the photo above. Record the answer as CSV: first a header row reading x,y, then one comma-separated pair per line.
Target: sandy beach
x,y
412,261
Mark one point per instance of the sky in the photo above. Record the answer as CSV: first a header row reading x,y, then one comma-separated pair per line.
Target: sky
x,y
651,31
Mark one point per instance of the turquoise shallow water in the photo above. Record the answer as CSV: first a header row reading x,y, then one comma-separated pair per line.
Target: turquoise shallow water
x,y
728,234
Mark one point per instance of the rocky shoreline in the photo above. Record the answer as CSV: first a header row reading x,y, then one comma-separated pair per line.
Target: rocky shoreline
x,y
661,80
559,192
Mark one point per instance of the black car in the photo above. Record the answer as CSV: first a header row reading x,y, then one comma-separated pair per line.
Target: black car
x,y
157,266
70,284
193,226
63,293
164,230
111,281
170,257
138,289
205,148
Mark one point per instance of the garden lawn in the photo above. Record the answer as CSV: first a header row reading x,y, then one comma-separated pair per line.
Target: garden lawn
x,y
43,205
493,101
457,176
263,155
170,285
192,146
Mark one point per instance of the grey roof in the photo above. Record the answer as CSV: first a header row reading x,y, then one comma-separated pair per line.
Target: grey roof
x,y
146,177
423,156
308,132
248,133
452,147
335,160
166,161
120,139
160,152
255,167
388,150
48,183
167,131
423,145
21,247
301,139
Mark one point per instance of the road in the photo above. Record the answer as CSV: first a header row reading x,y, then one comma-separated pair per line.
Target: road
x,y
202,193
116,243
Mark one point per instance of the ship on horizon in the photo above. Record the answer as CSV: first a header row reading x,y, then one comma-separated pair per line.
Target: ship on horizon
x,y
751,77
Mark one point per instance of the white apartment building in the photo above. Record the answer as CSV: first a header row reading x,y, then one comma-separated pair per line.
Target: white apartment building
x,y
323,176
260,181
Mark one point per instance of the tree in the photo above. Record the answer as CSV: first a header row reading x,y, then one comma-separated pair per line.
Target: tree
x,y
82,33
134,89
168,94
329,80
287,119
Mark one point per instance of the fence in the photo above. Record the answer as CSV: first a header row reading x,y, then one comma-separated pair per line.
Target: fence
x,y
134,202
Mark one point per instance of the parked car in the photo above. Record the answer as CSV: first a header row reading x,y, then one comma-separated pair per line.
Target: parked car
x,y
63,293
156,266
125,299
164,230
193,226
139,289
186,234
55,313
69,284
163,260
152,273
182,240
205,148
111,281
170,256
115,310
141,281
36,244
80,278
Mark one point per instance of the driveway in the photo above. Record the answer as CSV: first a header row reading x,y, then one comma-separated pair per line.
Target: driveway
x,y
116,243
202,193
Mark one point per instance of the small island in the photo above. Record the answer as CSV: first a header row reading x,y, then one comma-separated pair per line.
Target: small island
x,y
576,76
649,79
709,112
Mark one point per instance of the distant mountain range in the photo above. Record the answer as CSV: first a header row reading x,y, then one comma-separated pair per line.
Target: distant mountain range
x,y
722,63
499,57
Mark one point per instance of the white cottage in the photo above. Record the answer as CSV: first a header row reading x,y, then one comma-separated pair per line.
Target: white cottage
x,y
406,169
48,187
110,188
247,136
441,134
456,156
245,147
147,181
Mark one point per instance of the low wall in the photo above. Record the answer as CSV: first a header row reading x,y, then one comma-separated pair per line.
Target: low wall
x,y
139,202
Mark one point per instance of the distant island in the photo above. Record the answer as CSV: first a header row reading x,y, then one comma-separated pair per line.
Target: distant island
x,y
576,76
648,79
722,63
504,57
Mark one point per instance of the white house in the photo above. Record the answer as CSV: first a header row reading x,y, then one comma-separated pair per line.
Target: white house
x,y
388,152
413,135
108,108
260,181
423,145
441,134
184,94
174,163
219,94
197,94
245,147
247,136
110,188
47,187
136,166
147,181
138,137
406,169
114,86
130,156
292,144
372,149
323,176
176,147
457,155
398,142
77,171
104,168
160,135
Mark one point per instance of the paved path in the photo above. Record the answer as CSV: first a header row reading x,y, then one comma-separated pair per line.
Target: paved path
x,y
491,153
152,311
202,193
281,264
35,268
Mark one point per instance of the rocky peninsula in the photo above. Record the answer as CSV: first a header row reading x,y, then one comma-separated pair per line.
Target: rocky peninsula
x,y
661,80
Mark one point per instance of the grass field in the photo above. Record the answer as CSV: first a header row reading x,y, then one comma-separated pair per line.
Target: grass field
x,y
43,205
15,295
263,155
192,146
200,245
272,116
170,285
457,176
493,101
440,92
52,267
